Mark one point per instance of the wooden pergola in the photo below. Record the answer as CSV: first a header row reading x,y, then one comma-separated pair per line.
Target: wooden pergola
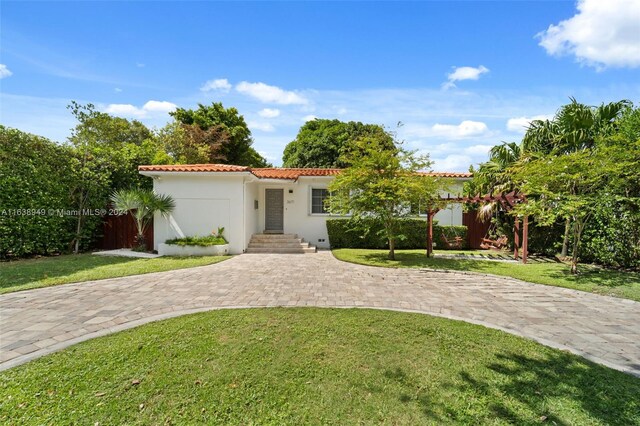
x,y
507,201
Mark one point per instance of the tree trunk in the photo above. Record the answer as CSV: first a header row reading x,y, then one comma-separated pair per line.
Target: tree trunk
x,y
76,246
577,233
565,243
392,249
429,234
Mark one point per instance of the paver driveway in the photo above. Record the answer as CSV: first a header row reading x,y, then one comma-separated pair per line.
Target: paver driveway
x,y
37,322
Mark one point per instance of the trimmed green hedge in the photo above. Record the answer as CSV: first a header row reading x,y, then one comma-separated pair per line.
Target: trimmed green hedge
x,y
209,240
36,175
346,233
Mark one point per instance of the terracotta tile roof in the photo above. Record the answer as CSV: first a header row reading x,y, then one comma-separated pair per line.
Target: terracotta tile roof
x,y
284,173
269,173
194,168
449,174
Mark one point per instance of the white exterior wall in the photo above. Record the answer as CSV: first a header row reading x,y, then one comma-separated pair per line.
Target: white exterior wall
x,y
206,201
452,215
252,215
297,209
203,203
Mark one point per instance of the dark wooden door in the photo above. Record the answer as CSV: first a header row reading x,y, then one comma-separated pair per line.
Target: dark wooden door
x,y
274,210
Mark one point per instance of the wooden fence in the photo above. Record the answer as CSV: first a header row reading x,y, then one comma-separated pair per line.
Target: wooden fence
x,y
476,230
120,232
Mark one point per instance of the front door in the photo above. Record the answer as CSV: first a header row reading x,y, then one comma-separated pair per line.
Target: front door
x,y
274,211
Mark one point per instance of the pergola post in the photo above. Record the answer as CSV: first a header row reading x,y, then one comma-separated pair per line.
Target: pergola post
x,y
516,238
430,215
525,238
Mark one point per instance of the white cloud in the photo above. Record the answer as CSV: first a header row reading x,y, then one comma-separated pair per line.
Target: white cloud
x,y
269,113
601,34
263,127
220,84
117,90
4,71
520,124
465,129
452,163
151,107
159,106
126,110
477,149
309,117
140,65
464,73
270,94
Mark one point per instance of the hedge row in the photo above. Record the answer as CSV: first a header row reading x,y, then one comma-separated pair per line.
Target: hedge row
x,y
35,177
346,233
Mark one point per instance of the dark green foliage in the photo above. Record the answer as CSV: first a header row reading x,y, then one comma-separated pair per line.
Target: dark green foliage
x,y
209,240
366,234
321,142
613,237
35,175
232,135
108,151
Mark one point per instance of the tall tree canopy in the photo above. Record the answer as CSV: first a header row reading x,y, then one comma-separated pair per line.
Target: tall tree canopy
x,y
212,134
108,151
580,167
322,142
383,184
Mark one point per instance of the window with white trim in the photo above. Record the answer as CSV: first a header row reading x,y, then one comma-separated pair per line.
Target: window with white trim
x,y
318,195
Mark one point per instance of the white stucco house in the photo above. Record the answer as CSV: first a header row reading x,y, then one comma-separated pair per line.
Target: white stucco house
x,y
248,201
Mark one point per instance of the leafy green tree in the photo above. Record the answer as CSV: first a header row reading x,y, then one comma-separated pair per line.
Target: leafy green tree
x,y
573,185
35,177
142,204
574,127
323,143
107,152
382,184
225,136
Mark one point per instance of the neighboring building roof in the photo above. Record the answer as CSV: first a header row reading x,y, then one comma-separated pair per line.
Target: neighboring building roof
x,y
194,168
284,173
449,174
269,173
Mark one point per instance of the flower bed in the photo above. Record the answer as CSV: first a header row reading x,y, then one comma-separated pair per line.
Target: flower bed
x,y
194,246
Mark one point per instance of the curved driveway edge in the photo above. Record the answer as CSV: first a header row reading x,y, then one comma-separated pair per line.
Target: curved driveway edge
x,y
37,322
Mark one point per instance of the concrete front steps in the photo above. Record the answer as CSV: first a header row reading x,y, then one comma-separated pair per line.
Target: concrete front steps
x,y
278,243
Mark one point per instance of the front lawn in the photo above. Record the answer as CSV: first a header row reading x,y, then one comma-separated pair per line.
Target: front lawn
x,y
591,279
47,271
315,366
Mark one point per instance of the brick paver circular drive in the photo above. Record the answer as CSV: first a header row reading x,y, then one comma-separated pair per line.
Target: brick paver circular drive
x,y
36,322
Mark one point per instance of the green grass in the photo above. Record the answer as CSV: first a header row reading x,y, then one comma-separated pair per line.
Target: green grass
x,y
47,271
591,279
315,366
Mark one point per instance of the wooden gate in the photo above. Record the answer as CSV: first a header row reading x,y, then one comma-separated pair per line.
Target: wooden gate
x,y
120,232
476,230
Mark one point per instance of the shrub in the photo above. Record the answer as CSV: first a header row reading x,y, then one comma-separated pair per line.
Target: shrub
x,y
612,238
209,240
35,177
347,233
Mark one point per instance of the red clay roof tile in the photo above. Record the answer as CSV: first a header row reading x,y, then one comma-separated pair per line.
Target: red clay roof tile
x,y
269,173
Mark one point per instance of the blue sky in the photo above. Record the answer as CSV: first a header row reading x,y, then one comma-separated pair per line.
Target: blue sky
x,y
460,76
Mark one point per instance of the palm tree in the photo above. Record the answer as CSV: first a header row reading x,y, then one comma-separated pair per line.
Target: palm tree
x,y
493,176
575,127
142,204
